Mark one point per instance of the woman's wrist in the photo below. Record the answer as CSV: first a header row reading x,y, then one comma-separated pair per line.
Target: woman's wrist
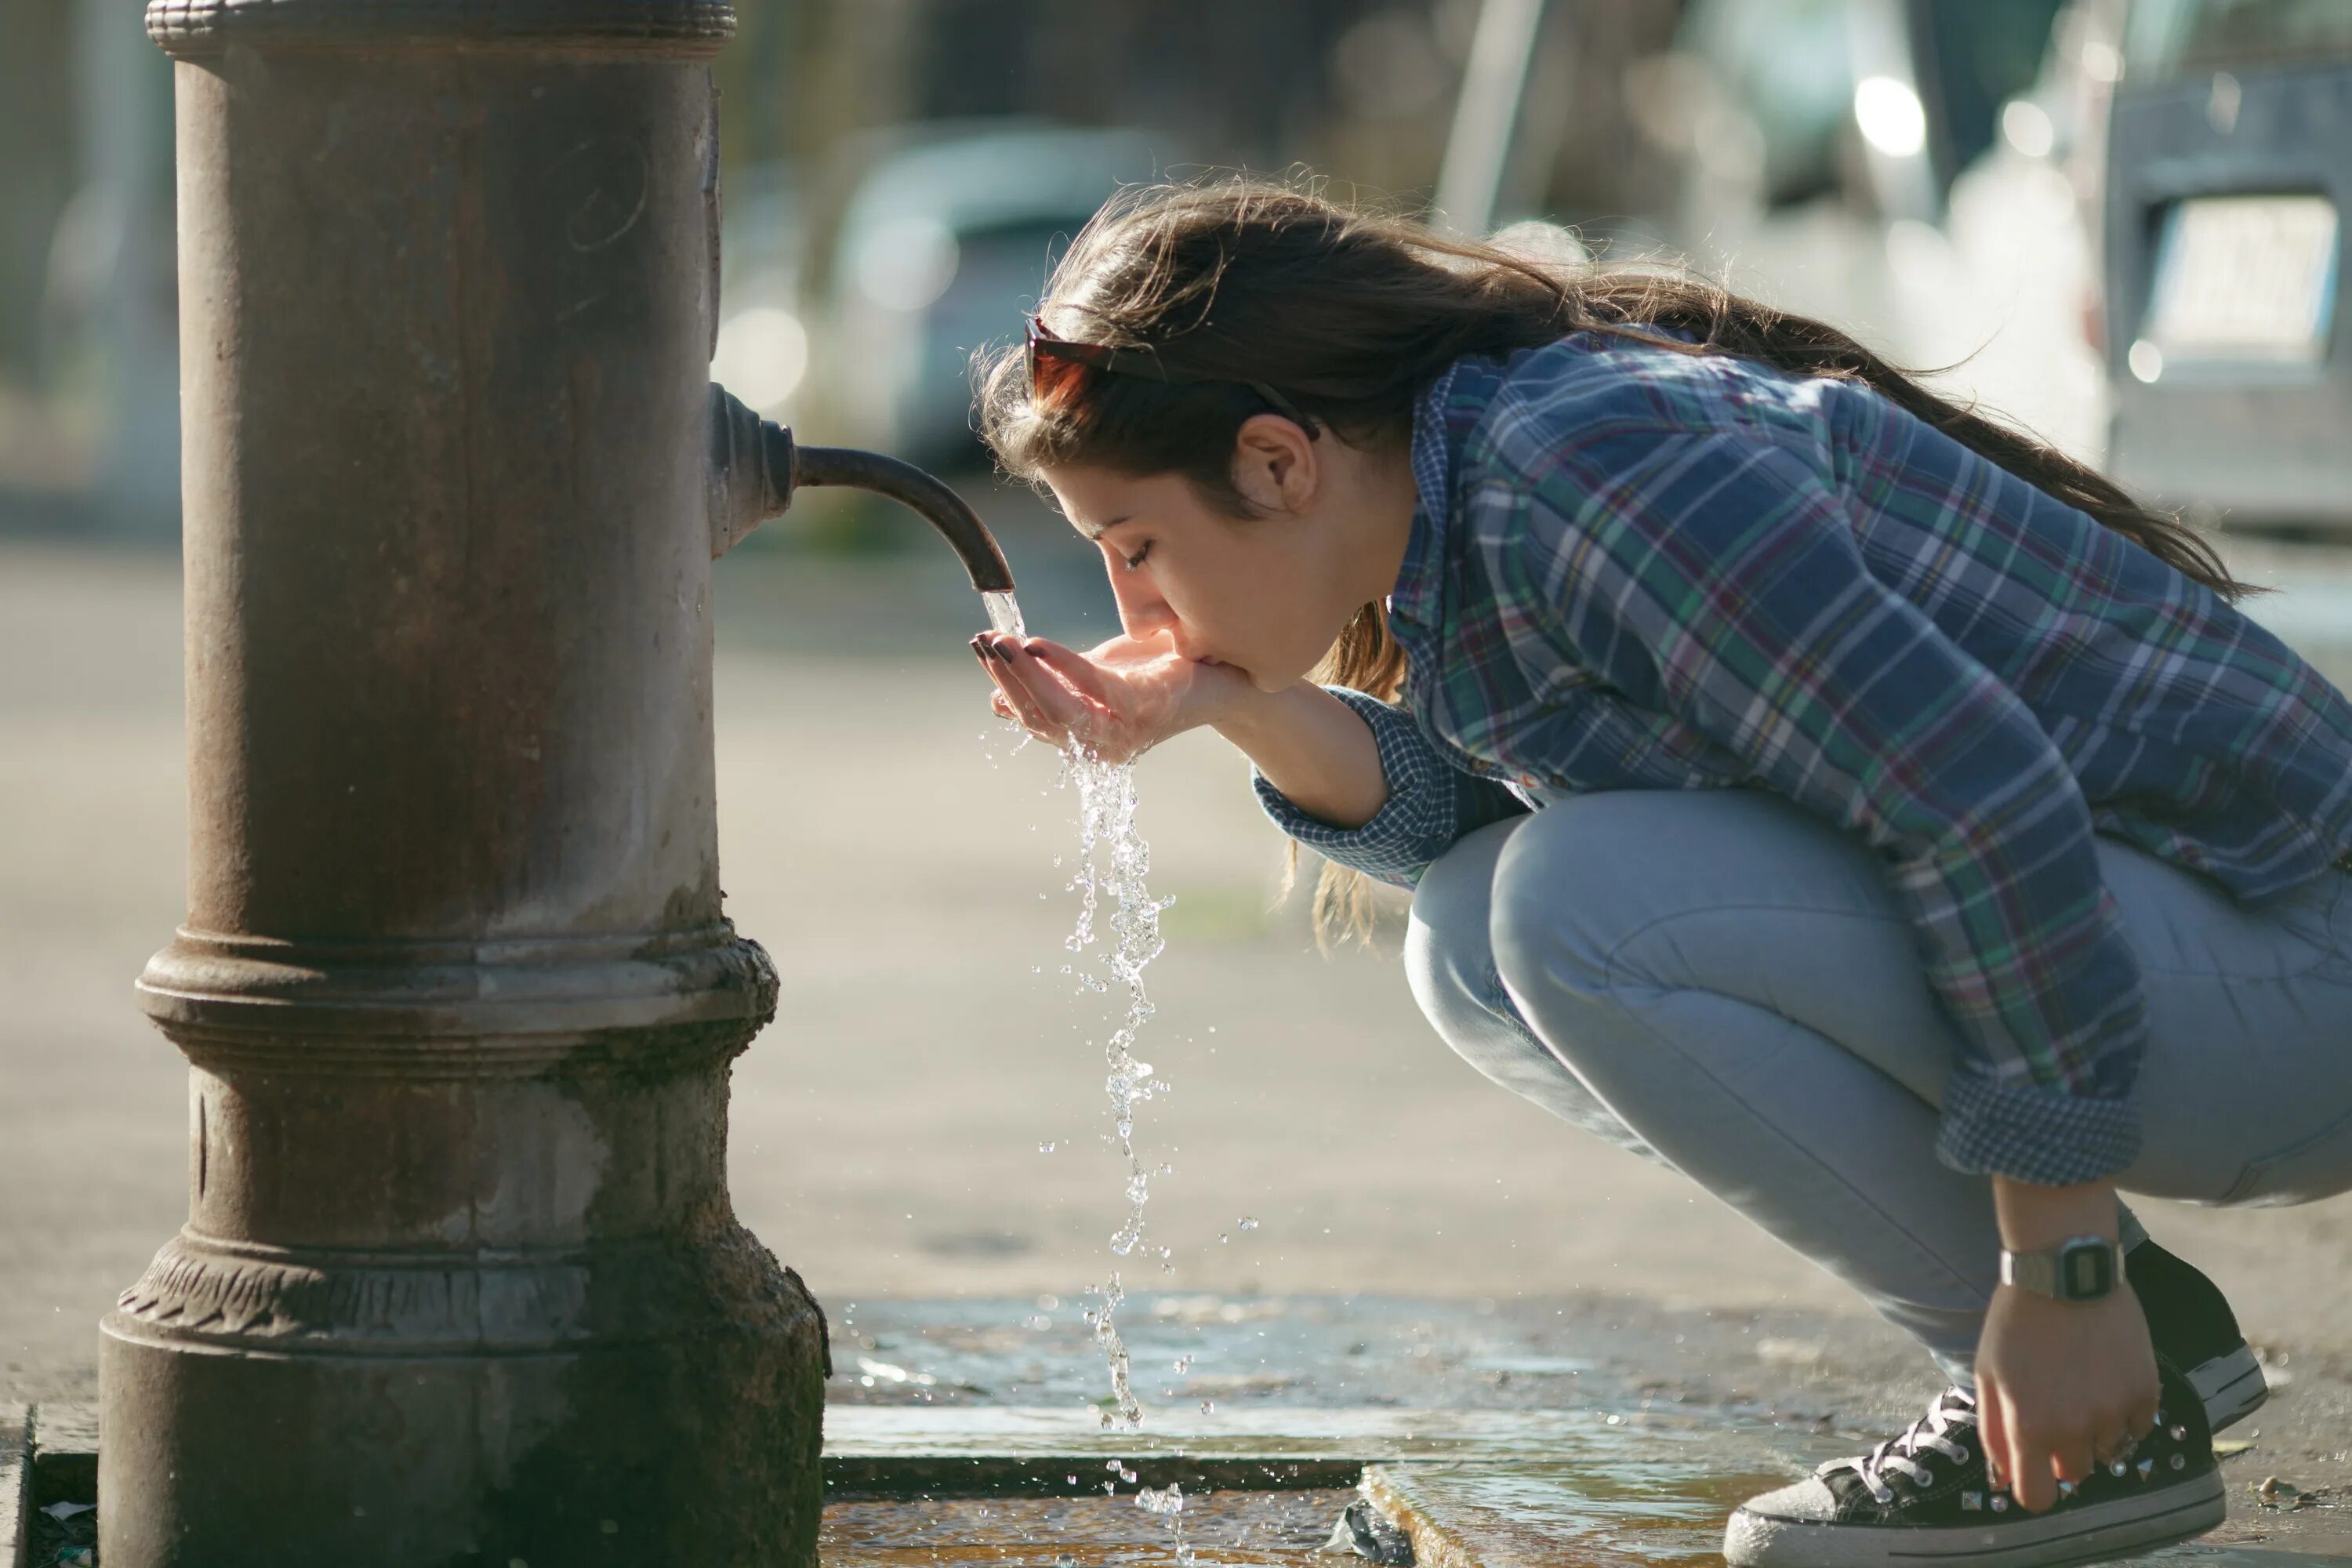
x,y
1313,749
1248,717
2034,1217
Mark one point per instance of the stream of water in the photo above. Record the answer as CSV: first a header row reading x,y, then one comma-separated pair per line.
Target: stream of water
x,y
1114,864
1003,612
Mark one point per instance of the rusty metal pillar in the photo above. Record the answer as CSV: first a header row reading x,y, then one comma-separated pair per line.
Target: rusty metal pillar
x,y
461,1282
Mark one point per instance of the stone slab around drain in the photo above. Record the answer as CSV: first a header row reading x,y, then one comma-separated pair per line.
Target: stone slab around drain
x,y
16,1481
1366,1434
1000,1450
62,1464
1634,1474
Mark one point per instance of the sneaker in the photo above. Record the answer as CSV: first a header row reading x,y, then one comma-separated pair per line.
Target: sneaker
x,y
1922,1498
2192,1327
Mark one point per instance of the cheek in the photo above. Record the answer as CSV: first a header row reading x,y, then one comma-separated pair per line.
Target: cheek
x,y
1259,605
1287,635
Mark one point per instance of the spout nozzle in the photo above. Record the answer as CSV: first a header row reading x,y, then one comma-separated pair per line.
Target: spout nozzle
x,y
755,466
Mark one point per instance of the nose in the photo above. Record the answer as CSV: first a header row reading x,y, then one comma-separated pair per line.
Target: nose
x,y
1142,613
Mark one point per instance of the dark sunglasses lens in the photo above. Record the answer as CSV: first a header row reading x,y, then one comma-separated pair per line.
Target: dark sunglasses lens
x,y
1053,379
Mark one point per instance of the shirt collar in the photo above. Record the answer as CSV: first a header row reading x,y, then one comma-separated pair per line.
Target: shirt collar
x,y
1441,419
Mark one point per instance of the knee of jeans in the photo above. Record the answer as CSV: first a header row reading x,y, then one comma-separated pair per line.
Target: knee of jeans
x,y
1447,962
1556,911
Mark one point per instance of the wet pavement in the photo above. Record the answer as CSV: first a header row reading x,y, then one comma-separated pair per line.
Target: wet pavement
x,y
1503,1433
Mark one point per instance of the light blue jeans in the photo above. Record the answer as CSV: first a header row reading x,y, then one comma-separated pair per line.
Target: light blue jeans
x,y
1721,982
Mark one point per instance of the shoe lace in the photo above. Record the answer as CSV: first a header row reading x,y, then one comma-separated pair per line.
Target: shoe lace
x,y
1955,1410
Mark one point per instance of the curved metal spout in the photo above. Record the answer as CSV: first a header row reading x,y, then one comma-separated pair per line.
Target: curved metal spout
x,y
940,506
755,466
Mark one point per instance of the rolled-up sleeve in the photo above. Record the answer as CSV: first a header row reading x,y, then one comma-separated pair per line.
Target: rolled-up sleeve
x,y
1716,576
1431,803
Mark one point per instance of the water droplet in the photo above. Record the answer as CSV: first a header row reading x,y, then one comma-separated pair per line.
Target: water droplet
x,y
1046,1148
1246,1223
1208,1407
1168,1500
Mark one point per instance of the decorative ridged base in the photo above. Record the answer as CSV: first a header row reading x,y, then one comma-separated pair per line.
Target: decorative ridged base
x,y
679,1427
215,1296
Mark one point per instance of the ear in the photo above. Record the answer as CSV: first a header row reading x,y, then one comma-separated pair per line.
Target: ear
x,y
1274,465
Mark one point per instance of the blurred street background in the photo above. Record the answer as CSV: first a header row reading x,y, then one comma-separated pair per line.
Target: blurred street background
x,y
2114,223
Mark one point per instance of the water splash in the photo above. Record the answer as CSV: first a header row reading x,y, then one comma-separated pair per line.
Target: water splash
x,y
1169,1503
1003,612
1113,864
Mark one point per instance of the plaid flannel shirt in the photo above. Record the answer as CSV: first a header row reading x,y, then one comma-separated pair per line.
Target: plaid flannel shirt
x,y
1633,568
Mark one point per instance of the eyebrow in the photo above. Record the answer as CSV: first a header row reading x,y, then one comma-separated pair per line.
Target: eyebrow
x,y
1097,530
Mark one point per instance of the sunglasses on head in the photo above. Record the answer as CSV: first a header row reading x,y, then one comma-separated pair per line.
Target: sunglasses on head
x,y
1057,366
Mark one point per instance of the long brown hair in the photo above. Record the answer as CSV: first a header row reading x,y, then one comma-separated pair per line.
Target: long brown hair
x,y
1351,313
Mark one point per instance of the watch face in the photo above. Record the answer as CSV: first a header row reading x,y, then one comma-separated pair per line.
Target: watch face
x,y
2087,1272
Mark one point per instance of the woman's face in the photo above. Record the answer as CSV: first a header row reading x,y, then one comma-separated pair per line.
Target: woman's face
x,y
1267,596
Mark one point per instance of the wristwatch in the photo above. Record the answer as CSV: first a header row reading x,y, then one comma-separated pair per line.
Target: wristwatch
x,y
2079,1268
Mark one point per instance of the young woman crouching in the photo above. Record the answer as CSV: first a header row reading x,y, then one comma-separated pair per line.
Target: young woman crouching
x,y
1866,810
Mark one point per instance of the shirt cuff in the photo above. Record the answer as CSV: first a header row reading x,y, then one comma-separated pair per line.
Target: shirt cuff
x,y
2029,1133
1411,828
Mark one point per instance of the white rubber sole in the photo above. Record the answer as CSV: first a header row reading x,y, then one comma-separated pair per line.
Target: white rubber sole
x,y
2232,1388
2092,1534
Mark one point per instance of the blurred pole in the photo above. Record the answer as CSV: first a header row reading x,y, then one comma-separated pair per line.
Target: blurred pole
x,y
113,257
1485,115
461,1281
37,173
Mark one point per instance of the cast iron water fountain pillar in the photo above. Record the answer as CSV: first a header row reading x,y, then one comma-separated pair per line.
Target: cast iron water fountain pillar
x,y
461,1281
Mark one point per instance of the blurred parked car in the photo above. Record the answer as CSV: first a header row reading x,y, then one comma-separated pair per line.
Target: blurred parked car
x,y
762,353
1905,169
2229,164
945,245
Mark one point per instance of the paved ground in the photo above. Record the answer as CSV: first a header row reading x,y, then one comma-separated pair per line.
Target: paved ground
x,y
888,1128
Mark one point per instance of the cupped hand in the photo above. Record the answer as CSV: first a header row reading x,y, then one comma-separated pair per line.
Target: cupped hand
x,y
2060,1383
1114,702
